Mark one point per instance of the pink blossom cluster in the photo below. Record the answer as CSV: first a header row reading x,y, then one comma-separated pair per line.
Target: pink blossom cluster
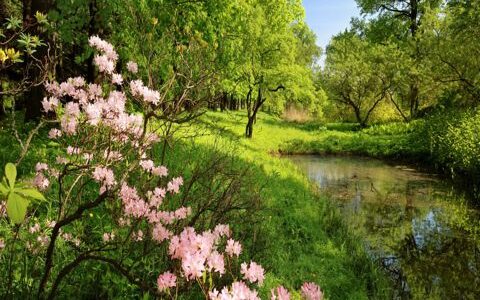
x,y
149,165
253,272
311,291
280,293
41,181
132,67
107,58
136,207
238,290
166,280
197,252
105,176
149,96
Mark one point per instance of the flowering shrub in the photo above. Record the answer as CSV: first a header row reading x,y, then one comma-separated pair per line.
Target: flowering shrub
x,y
106,172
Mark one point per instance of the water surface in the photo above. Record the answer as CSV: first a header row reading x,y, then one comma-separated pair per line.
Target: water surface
x,y
416,225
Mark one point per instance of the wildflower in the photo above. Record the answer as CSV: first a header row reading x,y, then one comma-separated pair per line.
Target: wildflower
x,y
54,133
160,171
117,79
104,64
233,248
104,176
2,244
41,182
107,237
147,165
73,150
253,273
160,233
49,104
174,185
50,224
280,293
39,167
132,67
35,228
166,280
216,262
311,291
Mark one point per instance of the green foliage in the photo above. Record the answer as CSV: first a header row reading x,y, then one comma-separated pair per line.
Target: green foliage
x,y
17,196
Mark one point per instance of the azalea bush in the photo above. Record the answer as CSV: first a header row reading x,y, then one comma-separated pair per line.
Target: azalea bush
x,y
110,207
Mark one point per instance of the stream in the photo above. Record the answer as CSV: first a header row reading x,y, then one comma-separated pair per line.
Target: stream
x,y
422,231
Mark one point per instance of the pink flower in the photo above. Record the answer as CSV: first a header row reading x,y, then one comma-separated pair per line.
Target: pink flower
x,y
66,88
132,67
182,213
107,237
311,291
104,64
193,265
39,167
50,224
280,293
216,262
94,113
117,79
72,109
94,90
136,87
49,104
54,133
157,196
233,248
77,81
253,273
68,125
174,185
43,240
166,280
104,176
160,233
239,290
41,182
34,228
61,160
2,244
73,150
147,165
138,236
222,230
53,88
160,171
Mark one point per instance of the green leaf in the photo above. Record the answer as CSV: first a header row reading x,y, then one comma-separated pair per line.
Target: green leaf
x,y
16,208
11,174
4,189
32,193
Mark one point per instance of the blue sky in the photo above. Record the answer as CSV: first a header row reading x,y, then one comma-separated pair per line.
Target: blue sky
x,y
328,17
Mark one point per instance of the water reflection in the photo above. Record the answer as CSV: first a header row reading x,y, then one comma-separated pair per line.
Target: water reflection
x,y
412,222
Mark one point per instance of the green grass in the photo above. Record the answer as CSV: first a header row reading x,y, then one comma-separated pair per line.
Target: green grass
x,y
306,238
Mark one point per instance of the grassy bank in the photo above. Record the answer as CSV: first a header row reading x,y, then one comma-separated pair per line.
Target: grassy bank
x,y
306,238
297,234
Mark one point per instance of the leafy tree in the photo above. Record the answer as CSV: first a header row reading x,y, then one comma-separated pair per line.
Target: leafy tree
x,y
399,21
358,74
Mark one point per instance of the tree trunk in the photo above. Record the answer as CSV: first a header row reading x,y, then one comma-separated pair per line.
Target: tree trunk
x,y
252,114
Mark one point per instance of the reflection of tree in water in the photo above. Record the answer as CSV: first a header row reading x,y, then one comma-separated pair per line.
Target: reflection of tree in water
x,y
425,239
444,267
